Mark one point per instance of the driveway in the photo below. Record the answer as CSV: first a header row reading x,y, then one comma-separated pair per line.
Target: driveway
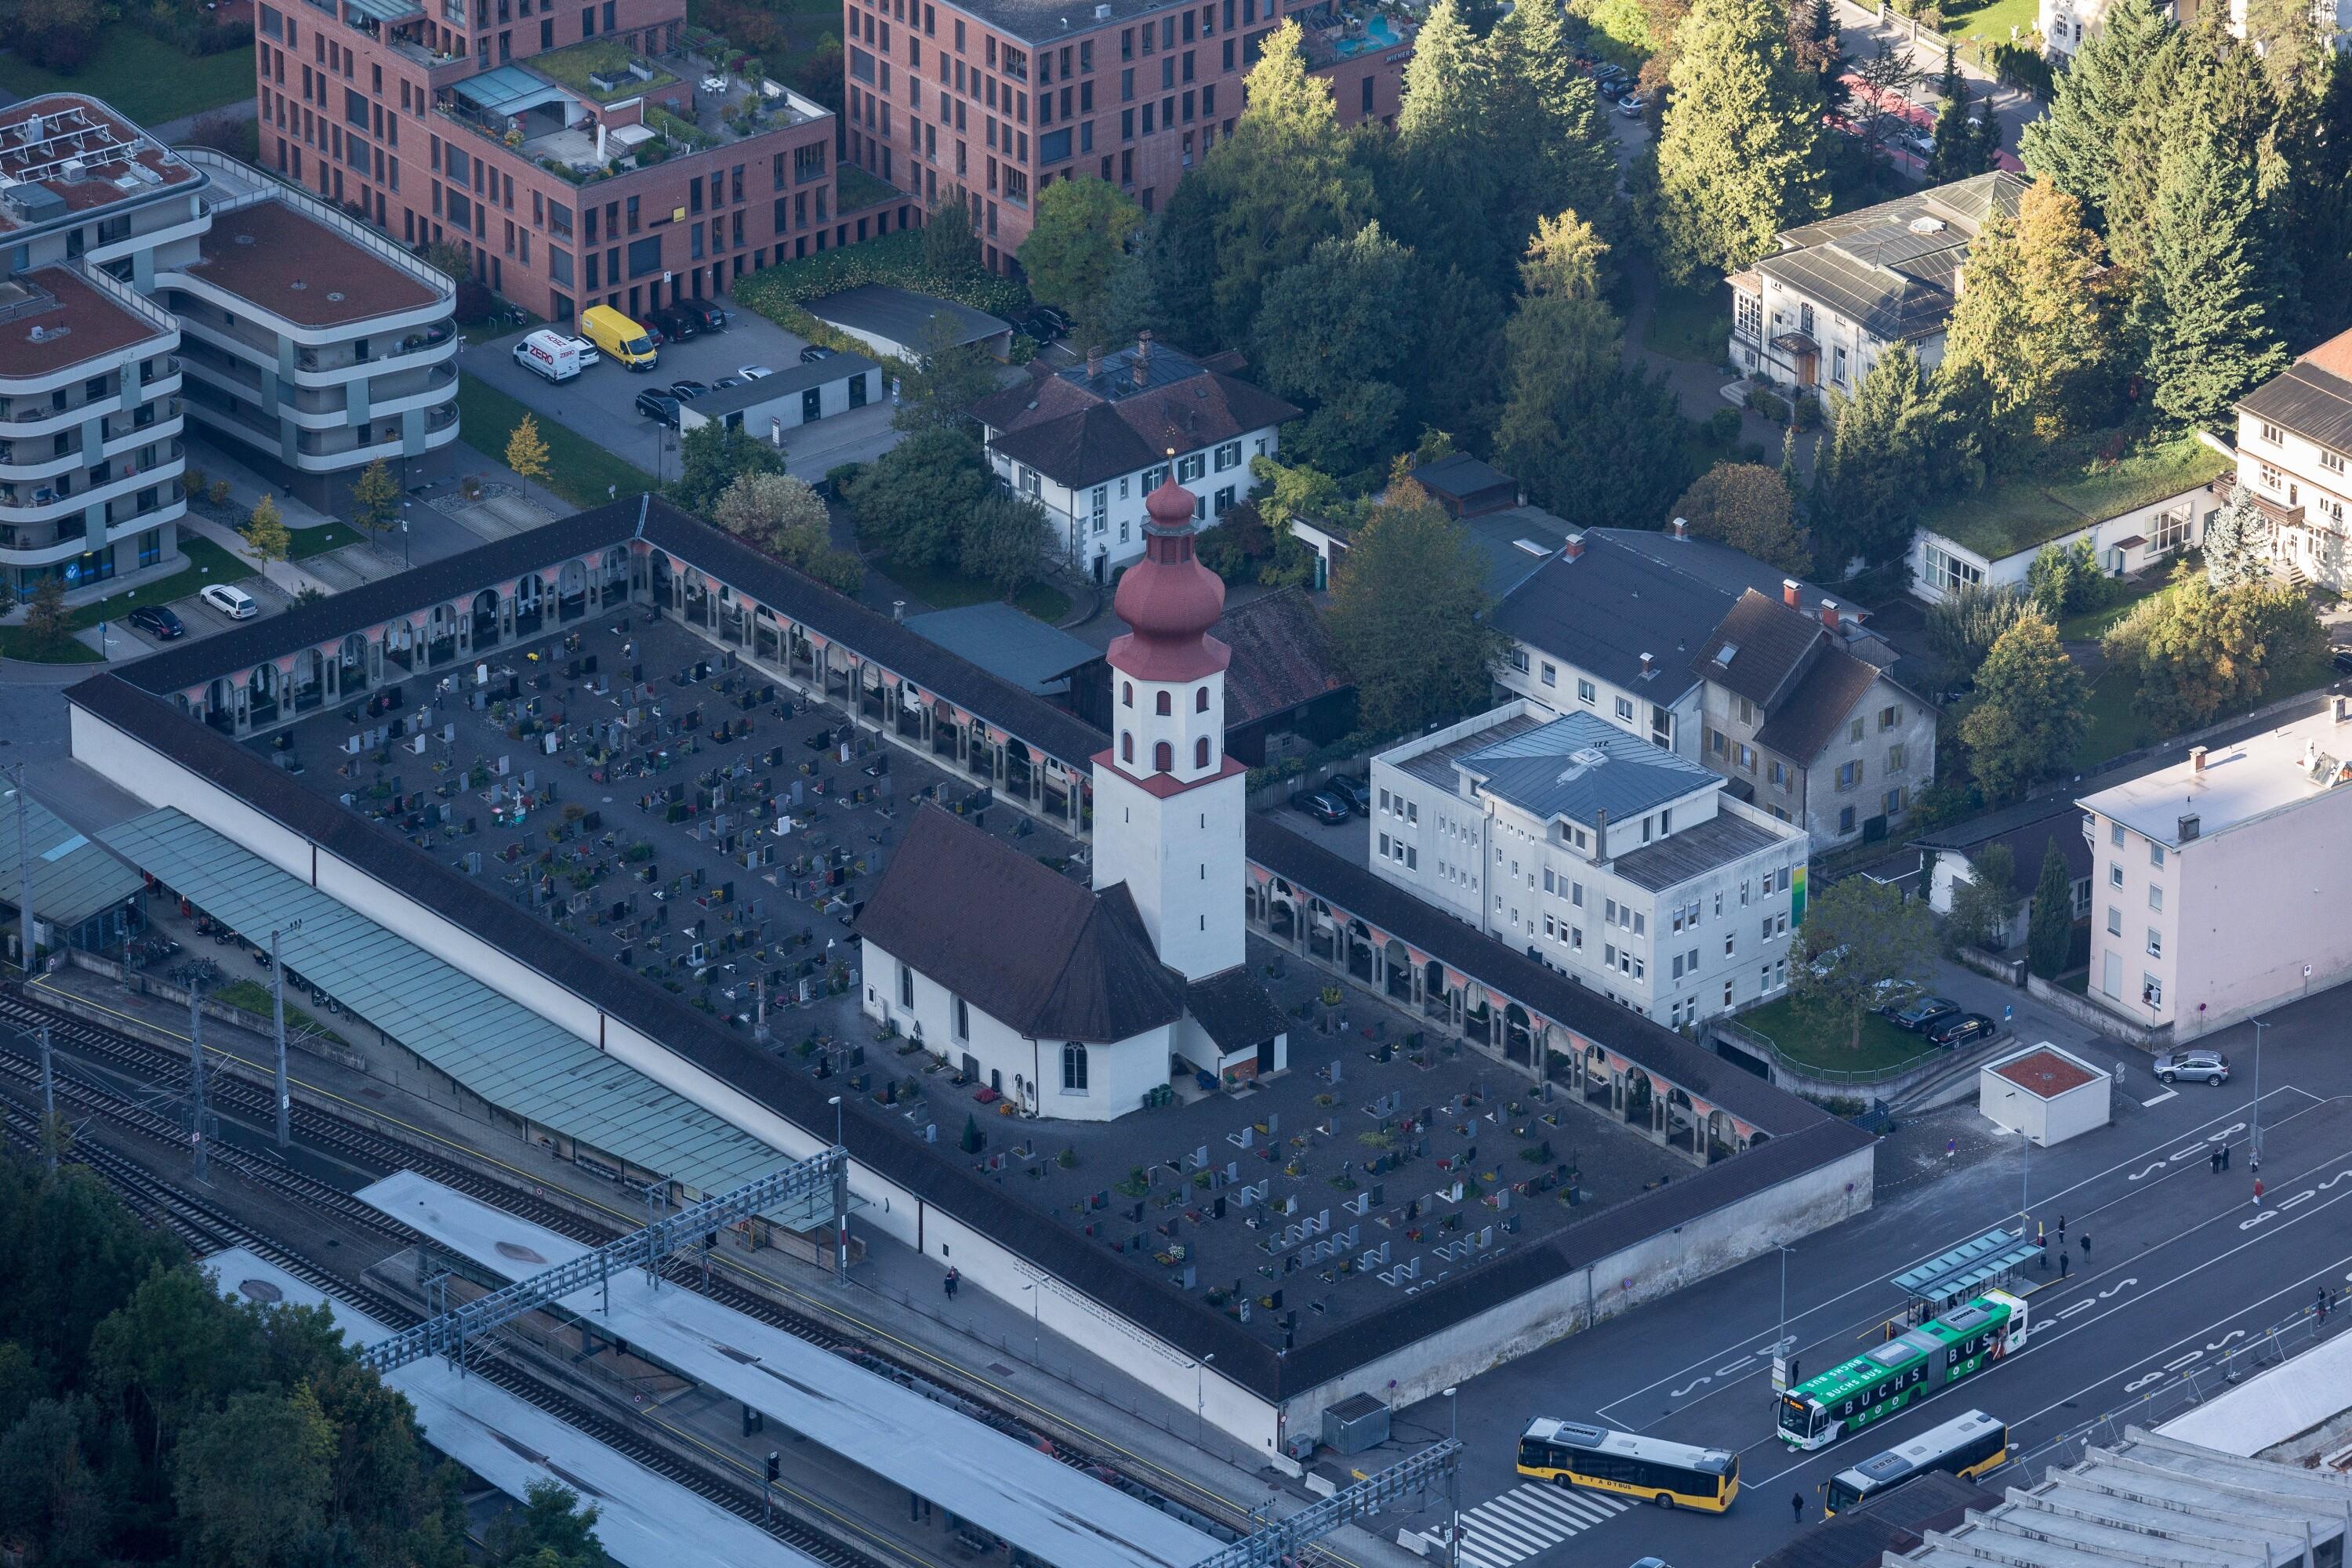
x,y
599,404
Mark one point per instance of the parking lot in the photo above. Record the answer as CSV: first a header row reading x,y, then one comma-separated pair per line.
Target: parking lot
x,y
600,403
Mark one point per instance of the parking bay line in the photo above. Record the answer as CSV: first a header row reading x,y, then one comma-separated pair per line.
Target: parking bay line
x,y
2160,1099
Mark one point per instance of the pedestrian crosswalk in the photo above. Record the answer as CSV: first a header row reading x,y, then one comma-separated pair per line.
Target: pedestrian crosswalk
x,y
1528,1520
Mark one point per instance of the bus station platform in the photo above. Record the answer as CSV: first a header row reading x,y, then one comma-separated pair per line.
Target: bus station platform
x,y
644,1520
1050,1510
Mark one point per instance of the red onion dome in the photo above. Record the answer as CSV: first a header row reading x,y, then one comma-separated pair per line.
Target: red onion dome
x,y
1169,599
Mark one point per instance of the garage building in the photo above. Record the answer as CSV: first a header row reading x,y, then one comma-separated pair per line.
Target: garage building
x,y
796,395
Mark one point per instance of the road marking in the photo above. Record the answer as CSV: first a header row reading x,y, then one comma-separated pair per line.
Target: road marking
x,y
1528,1520
2160,1099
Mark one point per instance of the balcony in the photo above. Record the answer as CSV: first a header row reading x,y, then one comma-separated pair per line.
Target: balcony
x,y
344,356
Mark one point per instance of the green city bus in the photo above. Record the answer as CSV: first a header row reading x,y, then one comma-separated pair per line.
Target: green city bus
x,y
1905,1370
1967,1445
1672,1475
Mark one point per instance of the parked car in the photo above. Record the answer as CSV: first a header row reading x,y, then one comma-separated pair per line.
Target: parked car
x,y
2343,659
725,382
1357,793
550,355
753,372
706,316
675,324
2212,1066
689,389
1921,1015
659,407
157,621
233,601
1631,105
1322,805
1955,1032
589,353
1045,325
813,353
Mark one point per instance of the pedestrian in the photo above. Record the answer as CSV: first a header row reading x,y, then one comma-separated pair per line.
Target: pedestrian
x,y
2214,1160
2062,1230
2086,1244
2323,1303
952,1278
2045,1254
2225,1155
2063,1260
1797,1507
2258,1192
1951,1147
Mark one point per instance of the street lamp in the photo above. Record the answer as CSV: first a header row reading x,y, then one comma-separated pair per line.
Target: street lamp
x,y
1036,1324
2254,1140
1453,1481
1201,1398
841,1206
277,1020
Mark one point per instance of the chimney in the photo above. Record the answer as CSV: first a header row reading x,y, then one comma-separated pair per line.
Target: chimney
x,y
2196,759
600,141
1679,528
1572,548
1142,356
2186,828
2310,754
1094,362
1601,834
1829,614
1960,281
1647,668
2343,709
1789,592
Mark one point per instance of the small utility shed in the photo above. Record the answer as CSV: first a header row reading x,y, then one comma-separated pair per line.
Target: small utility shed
x,y
2047,1094
798,394
902,324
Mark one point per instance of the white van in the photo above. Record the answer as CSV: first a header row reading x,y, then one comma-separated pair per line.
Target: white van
x,y
549,354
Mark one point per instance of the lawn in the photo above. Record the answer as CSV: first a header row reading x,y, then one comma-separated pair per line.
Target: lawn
x,y
1991,20
1693,324
1786,1025
2072,487
854,188
142,78
2115,729
952,591
309,541
578,470
207,562
598,56
254,997
2089,626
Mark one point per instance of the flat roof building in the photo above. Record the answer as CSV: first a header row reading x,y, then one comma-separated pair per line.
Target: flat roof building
x,y
2219,877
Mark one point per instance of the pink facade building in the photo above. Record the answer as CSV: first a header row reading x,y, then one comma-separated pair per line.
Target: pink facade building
x,y
583,151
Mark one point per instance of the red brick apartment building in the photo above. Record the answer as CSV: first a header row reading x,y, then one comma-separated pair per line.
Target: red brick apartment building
x,y
585,155
1004,97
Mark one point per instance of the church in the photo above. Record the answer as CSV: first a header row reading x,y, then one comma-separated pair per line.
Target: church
x,y
1084,1004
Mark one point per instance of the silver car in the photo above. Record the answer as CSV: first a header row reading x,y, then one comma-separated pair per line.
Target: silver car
x,y
2210,1066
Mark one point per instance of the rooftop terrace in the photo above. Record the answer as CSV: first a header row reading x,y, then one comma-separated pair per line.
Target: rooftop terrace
x,y
292,266
66,155
2076,485
54,318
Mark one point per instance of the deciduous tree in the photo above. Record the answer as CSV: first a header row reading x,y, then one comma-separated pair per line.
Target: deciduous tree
x,y
527,450
1739,158
1005,542
2037,322
714,455
1858,933
264,531
1983,902
2029,713
48,621
950,242
1967,621
761,507
2197,651
1409,614
1747,507
1336,335
251,1479
554,1529
1081,233
375,499
910,503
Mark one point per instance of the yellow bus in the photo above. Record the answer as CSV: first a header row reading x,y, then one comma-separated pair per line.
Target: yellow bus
x,y
1672,1475
1967,1445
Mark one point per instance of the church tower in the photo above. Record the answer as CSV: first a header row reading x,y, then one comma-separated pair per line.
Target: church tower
x,y
1168,803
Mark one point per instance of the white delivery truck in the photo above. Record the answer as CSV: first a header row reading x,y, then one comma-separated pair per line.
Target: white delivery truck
x,y
549,354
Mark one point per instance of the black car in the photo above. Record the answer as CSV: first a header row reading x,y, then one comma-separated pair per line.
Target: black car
x,y
1322,805
1045,325
676,324
659,407
724,381
688,390
706,316
1921,1016
1357,793
157,621
812,354
2343,659
1962,1031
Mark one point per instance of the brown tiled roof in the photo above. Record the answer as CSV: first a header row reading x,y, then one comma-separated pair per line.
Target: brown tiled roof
x,y
1769,643
289,264
1282,656
1067,429
81,323
1824,694
2334,356
1029,948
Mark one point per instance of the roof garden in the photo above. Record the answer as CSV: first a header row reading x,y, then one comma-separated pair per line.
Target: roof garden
x,y
603,70
2076,484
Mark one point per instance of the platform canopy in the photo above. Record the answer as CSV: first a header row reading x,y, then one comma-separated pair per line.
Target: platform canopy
x,y
1968,1266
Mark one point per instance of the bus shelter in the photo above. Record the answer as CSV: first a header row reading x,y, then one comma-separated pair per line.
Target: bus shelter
x,y
1959,1276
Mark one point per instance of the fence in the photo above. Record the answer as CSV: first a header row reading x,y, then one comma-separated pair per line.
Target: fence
x,y
2176,1394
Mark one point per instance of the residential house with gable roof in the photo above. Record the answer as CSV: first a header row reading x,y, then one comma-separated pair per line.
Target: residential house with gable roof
x,y
1816,314
1810,731
2294,442
1089,441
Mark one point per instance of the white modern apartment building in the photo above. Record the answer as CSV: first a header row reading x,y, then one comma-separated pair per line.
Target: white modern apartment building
x,y
1088,442
2218,881
312,341
138,285
1614,861
2295,440
91,410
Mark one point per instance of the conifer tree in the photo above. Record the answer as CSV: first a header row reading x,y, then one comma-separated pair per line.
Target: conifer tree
x,y
2201,308
1545,128
1741,156
2076,142
2237,542
2037,321
1869,470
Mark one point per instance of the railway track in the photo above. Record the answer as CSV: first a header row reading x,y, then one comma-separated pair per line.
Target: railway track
x,y
237,1095
207,1229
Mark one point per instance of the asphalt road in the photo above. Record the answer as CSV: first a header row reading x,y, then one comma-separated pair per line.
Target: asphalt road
x,y
2182,1268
